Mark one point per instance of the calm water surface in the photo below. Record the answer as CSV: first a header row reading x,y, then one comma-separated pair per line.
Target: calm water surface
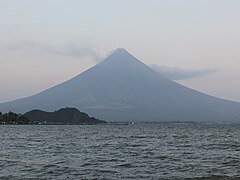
x,y
142,151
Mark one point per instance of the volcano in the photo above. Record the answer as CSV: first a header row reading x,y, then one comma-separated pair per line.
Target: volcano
x,y
122,88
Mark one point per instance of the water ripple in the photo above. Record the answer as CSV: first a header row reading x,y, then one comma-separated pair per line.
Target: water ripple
x,y
144,151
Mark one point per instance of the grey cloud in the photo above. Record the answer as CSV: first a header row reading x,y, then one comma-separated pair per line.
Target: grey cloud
x,y
181,74
71,49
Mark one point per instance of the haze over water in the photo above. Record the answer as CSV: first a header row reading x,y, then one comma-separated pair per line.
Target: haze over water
x,y
140,151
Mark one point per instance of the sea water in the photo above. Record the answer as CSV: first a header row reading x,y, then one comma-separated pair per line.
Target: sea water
x,y
138,151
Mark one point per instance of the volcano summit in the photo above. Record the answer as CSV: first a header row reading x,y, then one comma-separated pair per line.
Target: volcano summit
x,y
122,88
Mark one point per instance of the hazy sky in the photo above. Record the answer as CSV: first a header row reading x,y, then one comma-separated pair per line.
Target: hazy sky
x,y
45,42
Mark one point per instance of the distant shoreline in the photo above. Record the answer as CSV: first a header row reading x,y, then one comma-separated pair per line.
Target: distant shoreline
x,y
122,123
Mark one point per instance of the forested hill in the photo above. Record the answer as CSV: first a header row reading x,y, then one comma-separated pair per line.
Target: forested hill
x,y
62,116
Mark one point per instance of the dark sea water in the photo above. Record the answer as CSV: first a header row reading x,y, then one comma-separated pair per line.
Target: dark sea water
x,y
139,151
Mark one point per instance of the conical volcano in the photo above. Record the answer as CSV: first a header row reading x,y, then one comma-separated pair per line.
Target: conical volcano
x,y
122,88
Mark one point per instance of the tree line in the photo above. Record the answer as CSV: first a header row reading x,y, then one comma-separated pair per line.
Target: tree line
x,y
13,118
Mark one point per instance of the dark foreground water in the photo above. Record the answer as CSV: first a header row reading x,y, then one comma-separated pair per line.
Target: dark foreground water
x,y
143,151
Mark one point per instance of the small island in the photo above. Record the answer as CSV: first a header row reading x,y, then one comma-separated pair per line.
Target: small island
x,y
64,116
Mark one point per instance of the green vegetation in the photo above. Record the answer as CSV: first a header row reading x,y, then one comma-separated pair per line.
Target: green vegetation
x,y
62,116
13,118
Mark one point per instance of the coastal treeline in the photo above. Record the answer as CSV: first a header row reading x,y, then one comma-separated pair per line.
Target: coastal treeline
x,y
13,118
